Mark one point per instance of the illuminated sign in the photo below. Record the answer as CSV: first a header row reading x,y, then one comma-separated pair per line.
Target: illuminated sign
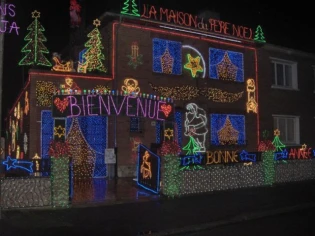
x,y
7,25
148,169
188,20
95,105
218,157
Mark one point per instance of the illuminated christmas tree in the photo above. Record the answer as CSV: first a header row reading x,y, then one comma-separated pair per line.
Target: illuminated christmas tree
x,y
276,141
35,48
94,55
259,35
82,154
130,8
192,146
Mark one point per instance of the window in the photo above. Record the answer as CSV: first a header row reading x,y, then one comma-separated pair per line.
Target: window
x,y
135,125
289,127
284,74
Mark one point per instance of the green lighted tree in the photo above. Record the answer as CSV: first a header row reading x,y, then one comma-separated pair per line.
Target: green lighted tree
x,y
192,146
259,35
130,8
276,141
35,48
94,54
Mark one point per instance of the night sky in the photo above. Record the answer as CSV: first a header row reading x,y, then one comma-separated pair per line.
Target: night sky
x,y
282,27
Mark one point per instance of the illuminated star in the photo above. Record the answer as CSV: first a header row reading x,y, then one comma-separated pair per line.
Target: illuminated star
x,y
168,133
12,163
97,22
59,131
276,132
193,65
304,146
35,14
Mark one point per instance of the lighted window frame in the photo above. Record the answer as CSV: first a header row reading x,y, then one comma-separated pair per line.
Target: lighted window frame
x,y
289,127
284,74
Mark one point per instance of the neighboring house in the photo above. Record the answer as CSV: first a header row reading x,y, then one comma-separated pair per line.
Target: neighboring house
x,y
286,93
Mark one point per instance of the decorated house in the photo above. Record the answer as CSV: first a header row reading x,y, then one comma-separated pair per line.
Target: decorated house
x,y
151,75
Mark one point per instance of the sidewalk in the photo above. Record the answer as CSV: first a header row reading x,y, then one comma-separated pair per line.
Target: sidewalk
x,y
162,216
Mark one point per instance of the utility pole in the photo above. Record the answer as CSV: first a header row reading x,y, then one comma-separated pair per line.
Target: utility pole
x,y
2,17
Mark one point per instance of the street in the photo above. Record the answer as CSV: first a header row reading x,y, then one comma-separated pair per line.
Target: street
x,y
223,212
300,223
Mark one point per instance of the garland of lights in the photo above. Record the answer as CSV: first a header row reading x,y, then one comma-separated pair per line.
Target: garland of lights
x,y
187,92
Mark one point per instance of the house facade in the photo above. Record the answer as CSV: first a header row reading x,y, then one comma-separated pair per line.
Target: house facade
x,y
223,86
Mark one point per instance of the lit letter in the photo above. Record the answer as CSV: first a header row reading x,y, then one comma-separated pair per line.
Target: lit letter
x,y
73,103
139,104
127,107
209,158
152,117
11,8
158,109
3,22
234,156
14,26
89,103
101,102
121,105
83,105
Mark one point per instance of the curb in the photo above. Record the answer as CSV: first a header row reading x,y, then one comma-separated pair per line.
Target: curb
x,y
233,220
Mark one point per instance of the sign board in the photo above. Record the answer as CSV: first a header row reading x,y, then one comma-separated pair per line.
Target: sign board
x,y
110,157
68,106
148,169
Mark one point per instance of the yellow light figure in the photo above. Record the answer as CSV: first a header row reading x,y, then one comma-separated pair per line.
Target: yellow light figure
x,y
193,65
36,158
59,131
82,67
251,104
59,66
168,133
130,86
17,152
146,166
27,105
18,111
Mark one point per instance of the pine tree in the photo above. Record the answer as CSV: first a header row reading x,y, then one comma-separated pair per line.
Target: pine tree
x,y
259,35
276,141
130,8
94,55
35,48
192,146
